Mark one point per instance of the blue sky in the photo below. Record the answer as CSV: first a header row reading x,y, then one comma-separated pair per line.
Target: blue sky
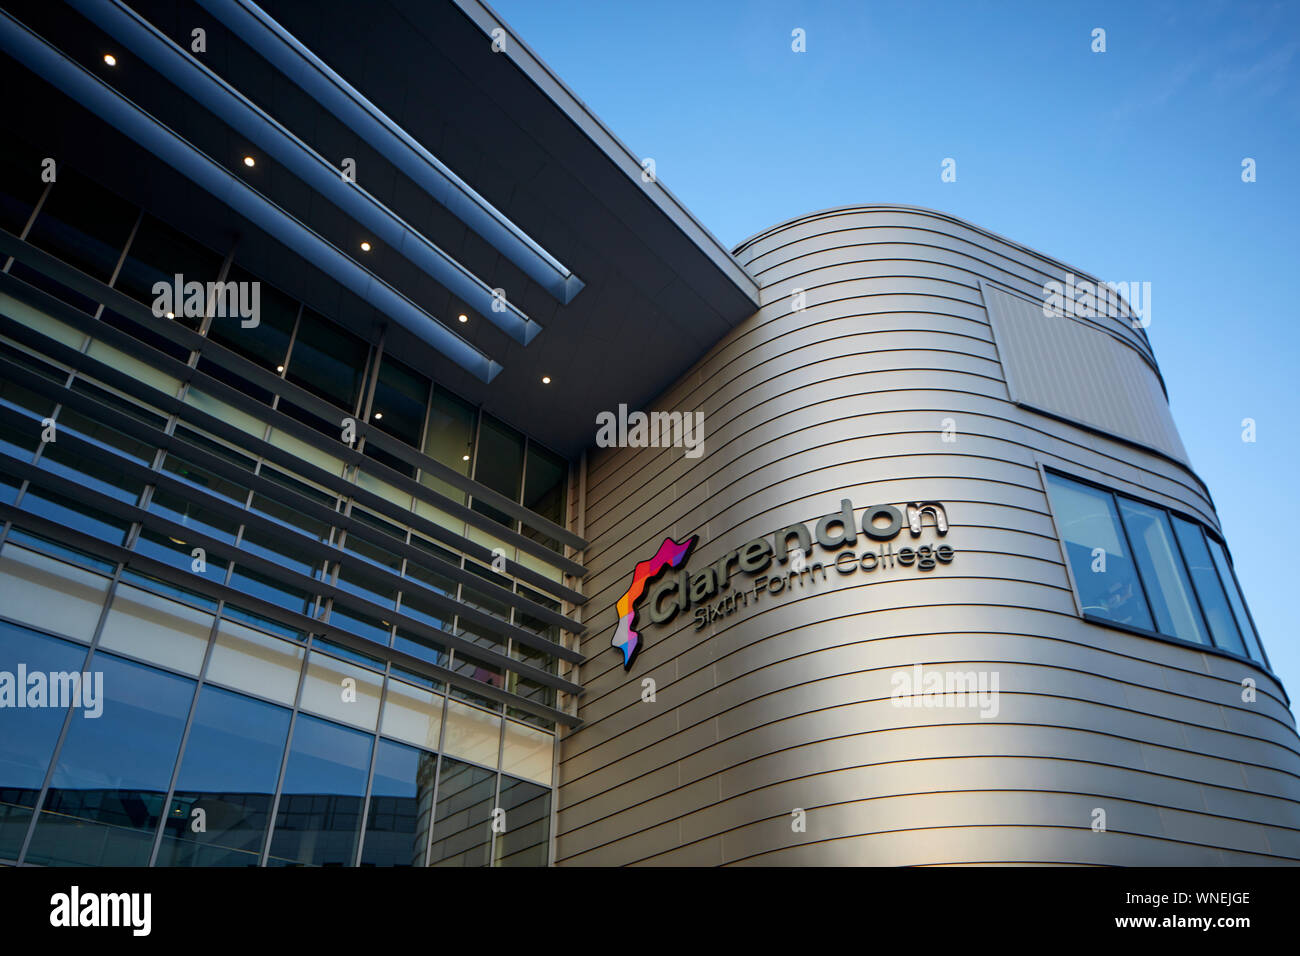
x,y
1126,164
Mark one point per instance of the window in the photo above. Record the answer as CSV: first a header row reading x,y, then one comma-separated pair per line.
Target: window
x,y
327,361
449,440
83,224
401,803
499,466
159,253
1141,566
229,771
105,800
30,732
1104,572
319,818
401,399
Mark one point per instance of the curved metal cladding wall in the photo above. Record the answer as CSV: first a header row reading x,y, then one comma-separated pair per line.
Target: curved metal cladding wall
x,y
786,703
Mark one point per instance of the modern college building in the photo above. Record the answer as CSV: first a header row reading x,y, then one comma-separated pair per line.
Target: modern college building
x,y
393,473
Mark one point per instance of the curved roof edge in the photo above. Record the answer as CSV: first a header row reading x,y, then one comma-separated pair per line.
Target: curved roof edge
x,y
923,210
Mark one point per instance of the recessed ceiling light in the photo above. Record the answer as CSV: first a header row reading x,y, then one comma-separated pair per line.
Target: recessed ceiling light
x,y
546,380
279,368
464,457
250,162
378,415
110,59
365,247
463,317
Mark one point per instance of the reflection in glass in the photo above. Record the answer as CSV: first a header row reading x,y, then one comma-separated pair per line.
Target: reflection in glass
x,y
327,361
1237,599
1213,601
27,742
1167,584
449,440
462,825
319,817
527,824
401,799
1103,571
107,791
228,772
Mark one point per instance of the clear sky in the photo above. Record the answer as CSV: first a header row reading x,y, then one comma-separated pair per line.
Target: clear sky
x,y
1127,164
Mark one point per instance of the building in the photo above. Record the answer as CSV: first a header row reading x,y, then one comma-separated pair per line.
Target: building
x,y
395,473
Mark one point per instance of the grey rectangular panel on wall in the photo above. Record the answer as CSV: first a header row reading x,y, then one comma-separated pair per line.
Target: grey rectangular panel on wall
x,y
1070,368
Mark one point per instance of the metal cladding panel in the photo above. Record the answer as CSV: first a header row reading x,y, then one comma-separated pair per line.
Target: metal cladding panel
x,y
1065,367
872,339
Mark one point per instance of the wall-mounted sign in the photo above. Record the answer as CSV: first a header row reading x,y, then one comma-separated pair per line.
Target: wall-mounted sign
x,y
790,547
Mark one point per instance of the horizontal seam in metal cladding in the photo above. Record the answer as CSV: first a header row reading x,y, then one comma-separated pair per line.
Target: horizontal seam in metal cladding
x,y
906,795
624,494
635,504
639,470
1036,759
1203,812
984,260
651,520
678,728
706,803
982,638
600,768
1109,652
1137,835
1009,282
1181,465
1022,252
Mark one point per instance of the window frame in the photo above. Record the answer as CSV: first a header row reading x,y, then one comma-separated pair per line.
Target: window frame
x,y
1209,533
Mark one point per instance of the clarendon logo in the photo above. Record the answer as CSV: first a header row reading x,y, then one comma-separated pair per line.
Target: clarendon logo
x,y
75,908
677,593
670,555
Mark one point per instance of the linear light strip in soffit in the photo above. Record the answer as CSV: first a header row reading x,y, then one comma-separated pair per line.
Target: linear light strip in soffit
x,y
51,65
283,51
241,114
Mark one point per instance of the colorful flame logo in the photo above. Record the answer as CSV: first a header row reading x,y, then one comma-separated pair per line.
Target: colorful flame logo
x,y
670,555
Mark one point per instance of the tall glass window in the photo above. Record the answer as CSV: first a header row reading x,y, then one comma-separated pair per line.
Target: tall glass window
x,y
462,825
1230,584
544,481
29,732
1178,583
319,818
1168,586
1208,588
499,466
401,806
106,795
1103,570
83,224
401,400
222,804
449,439
328,361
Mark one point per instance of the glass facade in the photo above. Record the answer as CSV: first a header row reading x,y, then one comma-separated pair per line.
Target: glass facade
x,y
308,656
1141,566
